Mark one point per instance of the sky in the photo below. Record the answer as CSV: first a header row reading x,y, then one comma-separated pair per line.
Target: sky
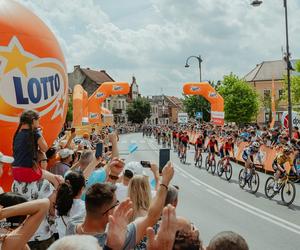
x,y
151,39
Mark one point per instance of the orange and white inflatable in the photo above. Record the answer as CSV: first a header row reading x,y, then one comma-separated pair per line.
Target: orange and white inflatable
x,y
91,108
211,95
104,91
33,75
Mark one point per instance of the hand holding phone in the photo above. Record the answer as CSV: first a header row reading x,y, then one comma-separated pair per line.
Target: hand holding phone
x,y
99,150
146,164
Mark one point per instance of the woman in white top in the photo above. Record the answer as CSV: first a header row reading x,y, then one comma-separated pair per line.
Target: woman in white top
x,y
68,202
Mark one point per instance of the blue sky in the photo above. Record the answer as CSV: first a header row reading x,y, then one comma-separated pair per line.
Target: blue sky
x,y
151,39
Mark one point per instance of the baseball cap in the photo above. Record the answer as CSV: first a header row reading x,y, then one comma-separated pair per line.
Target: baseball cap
x,y
6,159
135,168
64,153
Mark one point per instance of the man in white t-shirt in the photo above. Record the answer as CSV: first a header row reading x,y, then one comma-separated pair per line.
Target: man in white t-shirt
x,y
132,168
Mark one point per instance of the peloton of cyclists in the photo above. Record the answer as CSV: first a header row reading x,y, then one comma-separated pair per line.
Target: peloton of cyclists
x,y
227,147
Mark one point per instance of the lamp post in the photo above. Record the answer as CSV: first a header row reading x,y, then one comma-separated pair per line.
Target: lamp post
x,y
289,67
199,61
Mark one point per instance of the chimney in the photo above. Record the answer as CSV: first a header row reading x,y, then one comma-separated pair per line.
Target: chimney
x,y
76,67
103,71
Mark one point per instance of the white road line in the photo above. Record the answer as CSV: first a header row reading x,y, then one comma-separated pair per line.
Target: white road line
x,y
214,193
263,217
182,174
244,205
196,183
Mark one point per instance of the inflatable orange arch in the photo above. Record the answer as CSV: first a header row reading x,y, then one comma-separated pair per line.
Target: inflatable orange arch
x,y
91,107
211,95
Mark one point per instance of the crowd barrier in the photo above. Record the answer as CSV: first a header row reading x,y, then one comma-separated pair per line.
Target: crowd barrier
x,y
267,154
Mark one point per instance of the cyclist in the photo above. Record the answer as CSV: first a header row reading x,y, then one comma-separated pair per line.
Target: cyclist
x,y
184,140
226,147
198,147
212,143
248,156
278,165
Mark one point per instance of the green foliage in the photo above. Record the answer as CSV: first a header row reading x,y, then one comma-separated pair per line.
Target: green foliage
x,y
241,102
195,103
295,88
69,116
139,110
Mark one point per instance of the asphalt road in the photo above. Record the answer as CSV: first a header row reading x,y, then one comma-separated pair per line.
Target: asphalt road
x,y
213,204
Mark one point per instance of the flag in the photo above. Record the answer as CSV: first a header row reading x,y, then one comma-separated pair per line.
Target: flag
x,y
273,105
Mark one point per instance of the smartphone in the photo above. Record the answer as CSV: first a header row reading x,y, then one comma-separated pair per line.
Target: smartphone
x,y
99,150
73,130
105,150
164,157
146,164
110,148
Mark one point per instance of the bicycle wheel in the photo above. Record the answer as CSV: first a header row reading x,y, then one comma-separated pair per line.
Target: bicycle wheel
x,y
269,191
199,162
206,163
288,193
220,168
242,180
254,183
228,172
213,166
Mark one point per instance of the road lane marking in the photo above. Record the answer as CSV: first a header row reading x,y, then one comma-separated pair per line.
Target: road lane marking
x,y
196,183
182,174
243,204
214,193
263,217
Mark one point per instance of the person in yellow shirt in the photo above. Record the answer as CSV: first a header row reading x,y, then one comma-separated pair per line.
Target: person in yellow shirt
x,y
279,165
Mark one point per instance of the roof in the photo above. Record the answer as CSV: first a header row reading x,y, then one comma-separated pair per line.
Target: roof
x,y
97,76
175,101
268,71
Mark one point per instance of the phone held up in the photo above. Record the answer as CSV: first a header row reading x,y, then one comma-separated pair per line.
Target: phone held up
x,y
164,158
146,164
99,150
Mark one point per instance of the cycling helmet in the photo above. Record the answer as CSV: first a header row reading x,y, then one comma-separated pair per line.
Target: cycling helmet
x,y
255,145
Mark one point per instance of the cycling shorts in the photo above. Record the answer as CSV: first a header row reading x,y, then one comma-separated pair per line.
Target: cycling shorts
x,y
184,143
212,150
199,146
224,152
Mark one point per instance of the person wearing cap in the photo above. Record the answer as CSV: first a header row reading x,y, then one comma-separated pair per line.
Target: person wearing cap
x,y
4,159
65,162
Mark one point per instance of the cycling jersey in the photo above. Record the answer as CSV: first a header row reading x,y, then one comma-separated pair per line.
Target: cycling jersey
x,y
250,152
227,146
185,139
280,160
199,142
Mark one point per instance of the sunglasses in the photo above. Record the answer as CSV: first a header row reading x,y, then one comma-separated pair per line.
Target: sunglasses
x,y
112,207
113,177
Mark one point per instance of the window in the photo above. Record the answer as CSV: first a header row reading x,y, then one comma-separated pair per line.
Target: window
x,y
267,93
280,93
267,117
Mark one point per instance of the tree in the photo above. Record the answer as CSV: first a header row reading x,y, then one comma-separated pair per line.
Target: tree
x,y
295,88
241,102
139,110
196,103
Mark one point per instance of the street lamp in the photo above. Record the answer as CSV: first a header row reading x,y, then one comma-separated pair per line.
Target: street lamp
x,y
289,67
199,61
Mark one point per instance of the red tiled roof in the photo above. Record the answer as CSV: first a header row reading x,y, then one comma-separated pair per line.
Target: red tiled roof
x,y
97,76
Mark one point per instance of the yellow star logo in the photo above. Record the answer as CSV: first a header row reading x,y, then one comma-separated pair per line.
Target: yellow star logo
x,y
15,60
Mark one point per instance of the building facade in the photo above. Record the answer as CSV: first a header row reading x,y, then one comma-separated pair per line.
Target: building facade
x,y
261,78
164,110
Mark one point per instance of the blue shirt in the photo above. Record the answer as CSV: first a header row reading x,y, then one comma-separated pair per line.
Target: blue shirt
x,y
24,152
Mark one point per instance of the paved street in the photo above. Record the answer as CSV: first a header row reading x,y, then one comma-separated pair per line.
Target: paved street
x,y
215,205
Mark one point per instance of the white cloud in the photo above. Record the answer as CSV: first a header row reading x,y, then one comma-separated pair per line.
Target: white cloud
x,y
153,38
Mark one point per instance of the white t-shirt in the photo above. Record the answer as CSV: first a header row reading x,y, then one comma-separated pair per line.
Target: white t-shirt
x,y
78,208
121,192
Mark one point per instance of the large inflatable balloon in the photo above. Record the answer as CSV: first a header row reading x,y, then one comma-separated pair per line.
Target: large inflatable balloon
x,y
32,76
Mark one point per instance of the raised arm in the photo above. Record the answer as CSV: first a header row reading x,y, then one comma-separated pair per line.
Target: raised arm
x,y
36,210
156,205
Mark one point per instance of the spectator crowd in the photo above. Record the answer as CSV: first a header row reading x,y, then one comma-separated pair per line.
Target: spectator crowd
x,y
64,197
